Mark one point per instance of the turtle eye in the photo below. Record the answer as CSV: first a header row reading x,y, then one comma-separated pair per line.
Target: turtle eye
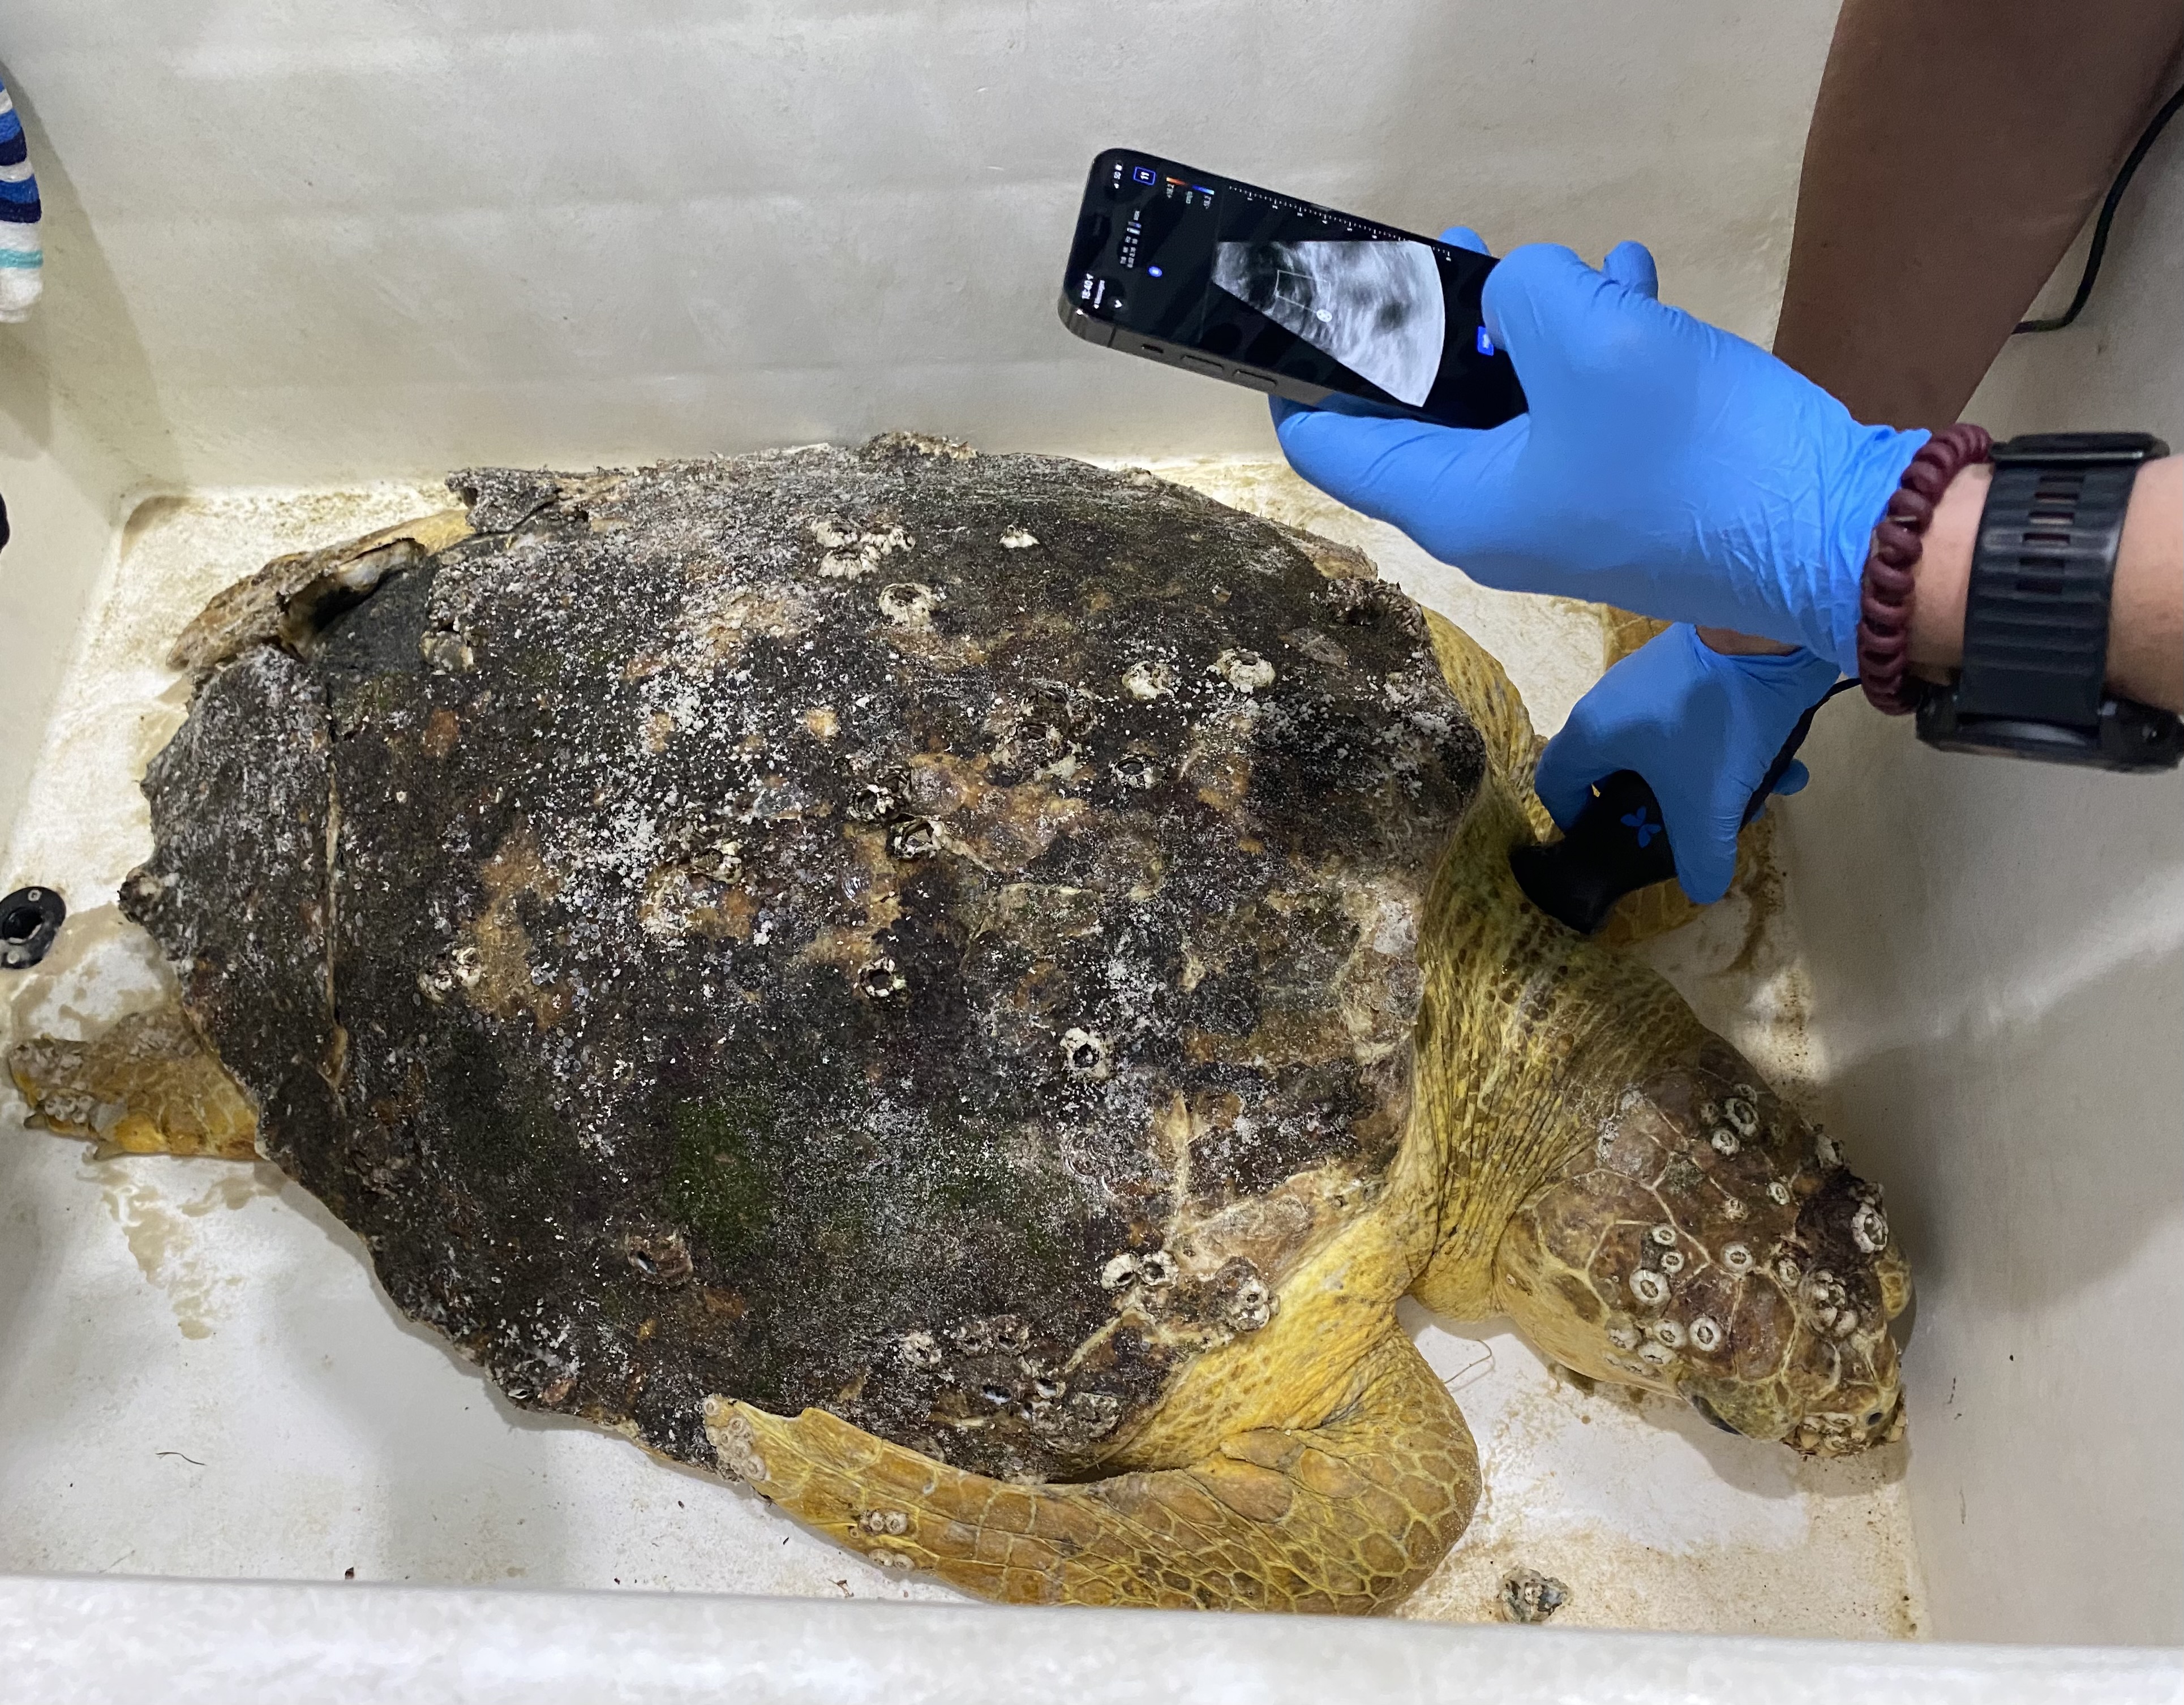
x,y
1707,1409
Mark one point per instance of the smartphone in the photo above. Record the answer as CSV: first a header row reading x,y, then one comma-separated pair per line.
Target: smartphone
x,y
1222,278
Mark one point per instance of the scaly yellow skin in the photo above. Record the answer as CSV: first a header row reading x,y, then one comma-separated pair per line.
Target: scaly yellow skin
x,y
1528,1031
1347,1515
149,1085
1567,1117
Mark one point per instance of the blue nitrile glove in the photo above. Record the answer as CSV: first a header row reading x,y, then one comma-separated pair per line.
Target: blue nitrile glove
x,y
1701,727
1664,466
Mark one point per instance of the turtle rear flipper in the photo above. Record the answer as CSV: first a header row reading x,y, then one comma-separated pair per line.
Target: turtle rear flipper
x,y
147,1084
1348,1516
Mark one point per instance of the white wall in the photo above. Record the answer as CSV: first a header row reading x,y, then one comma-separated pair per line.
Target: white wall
x,y
63,488
337,242
80,1640
316,241
1998,957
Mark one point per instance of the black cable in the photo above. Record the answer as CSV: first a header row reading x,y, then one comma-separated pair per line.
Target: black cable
x,y
2146,139
1780,766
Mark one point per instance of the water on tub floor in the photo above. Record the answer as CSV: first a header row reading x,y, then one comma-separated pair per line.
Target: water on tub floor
x,y
204,1378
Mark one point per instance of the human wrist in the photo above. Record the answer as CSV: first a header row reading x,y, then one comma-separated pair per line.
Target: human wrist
x,y
1864,489
1731,643
1886,604
1943,573
2145,606
1798,671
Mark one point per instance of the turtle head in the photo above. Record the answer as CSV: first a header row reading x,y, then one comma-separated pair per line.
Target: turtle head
x,y
1711,1244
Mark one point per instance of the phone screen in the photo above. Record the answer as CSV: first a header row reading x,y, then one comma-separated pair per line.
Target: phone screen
x,y
1286,296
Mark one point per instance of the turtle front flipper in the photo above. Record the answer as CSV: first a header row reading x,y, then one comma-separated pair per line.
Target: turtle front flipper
x,y
149,1085
1349,1516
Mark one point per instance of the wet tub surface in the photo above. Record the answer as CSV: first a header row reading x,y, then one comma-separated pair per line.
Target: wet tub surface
x,y
204,1379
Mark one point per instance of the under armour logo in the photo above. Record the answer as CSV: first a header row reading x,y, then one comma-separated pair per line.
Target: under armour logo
x,y
1646,828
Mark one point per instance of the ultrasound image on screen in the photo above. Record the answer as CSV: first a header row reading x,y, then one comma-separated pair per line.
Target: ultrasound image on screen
x,y
1374,307
1316,306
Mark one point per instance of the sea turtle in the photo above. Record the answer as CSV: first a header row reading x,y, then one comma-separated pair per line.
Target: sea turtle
x,y
959,990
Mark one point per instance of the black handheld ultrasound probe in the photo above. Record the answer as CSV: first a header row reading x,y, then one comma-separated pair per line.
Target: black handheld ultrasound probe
x,y
1619,842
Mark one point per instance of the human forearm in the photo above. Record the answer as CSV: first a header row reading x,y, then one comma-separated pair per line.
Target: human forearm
x,y
1957,148
1951,160
2145,604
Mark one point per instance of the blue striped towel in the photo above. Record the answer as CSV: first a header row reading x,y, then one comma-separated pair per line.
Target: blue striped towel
x,y
22,260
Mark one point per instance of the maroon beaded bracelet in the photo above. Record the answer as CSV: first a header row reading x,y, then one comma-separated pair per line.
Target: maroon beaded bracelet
x,y
1883,608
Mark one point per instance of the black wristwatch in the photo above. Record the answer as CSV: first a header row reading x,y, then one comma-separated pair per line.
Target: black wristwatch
x,y
2036,613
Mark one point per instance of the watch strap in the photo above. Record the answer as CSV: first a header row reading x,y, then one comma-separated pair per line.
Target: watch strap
x,y
2037,609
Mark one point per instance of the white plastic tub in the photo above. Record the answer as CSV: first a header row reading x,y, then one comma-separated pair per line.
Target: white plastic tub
x,y
300,264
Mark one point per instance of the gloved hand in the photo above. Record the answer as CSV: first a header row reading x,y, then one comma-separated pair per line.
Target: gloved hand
x,y
1665,467
1701,727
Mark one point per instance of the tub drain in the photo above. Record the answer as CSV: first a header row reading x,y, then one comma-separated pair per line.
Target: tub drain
x,y
30,919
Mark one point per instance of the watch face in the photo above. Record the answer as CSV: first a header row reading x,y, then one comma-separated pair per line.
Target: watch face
x,y
2130,735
